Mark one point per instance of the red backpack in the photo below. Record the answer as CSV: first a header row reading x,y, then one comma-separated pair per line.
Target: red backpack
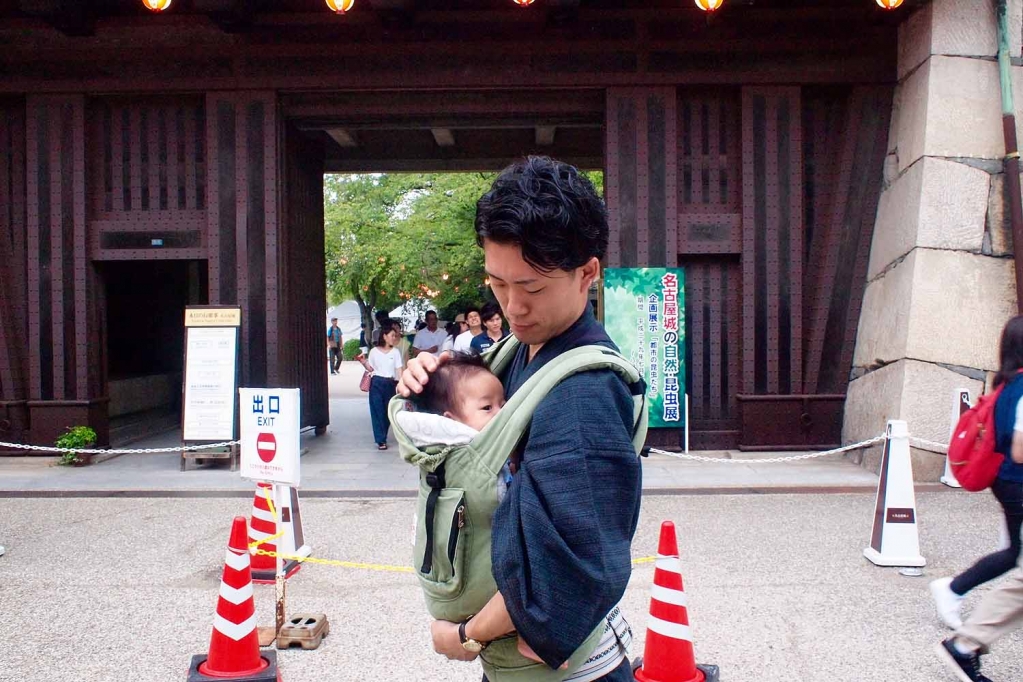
x,y
971,452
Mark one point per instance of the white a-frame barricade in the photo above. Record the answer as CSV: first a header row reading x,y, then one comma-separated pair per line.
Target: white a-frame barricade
x,y
894,540
960,405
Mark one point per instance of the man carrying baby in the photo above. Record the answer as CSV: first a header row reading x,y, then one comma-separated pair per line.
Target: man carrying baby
x,y
572,507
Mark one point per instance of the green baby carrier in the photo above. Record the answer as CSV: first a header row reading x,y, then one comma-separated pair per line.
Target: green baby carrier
x,y
458,496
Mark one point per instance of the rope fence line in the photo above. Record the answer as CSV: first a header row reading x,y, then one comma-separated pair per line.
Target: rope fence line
x,y
126,451
772,460
921,443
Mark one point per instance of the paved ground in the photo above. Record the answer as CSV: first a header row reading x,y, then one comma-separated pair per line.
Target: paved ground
x,y
116,589
345,461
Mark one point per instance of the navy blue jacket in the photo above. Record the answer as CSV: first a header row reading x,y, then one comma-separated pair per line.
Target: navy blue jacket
x,y
1005,423
562,535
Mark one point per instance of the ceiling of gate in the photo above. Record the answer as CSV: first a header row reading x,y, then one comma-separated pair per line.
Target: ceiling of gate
x,y
450,130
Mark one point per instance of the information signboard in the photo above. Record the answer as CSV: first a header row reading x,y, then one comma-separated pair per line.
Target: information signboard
x,y
270,423
644,313
211,373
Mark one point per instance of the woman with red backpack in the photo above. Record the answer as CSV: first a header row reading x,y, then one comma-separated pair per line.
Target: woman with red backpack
x,y
1008,485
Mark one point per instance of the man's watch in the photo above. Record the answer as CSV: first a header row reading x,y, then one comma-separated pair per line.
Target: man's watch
x,y
470,645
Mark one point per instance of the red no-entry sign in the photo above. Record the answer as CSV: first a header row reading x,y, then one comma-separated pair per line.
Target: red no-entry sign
x,y
266,446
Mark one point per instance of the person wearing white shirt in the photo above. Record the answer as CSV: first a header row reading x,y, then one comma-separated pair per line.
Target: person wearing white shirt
x,y
430,338
463,341
385,362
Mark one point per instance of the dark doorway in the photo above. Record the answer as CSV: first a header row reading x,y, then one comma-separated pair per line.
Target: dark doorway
x,y
145,341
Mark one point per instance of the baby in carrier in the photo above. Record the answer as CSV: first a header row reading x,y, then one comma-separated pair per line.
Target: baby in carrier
x,y
467,395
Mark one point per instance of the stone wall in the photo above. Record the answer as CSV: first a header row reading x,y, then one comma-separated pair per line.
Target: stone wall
x,y
941,280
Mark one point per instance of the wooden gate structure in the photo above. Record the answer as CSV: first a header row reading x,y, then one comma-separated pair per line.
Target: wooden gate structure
x,y
747,147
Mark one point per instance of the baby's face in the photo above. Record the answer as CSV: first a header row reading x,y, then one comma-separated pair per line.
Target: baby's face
x,y
481,396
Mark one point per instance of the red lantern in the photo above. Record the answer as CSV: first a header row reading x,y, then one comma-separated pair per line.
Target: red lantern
x,y
157,5
889,4
340,6
709,5
523,3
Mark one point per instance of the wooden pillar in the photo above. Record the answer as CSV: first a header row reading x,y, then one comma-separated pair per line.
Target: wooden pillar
x,y
13,294
641,176
65,386
242,222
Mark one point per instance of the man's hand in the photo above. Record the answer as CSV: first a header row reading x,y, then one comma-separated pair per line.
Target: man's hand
x,y
418,372
447,643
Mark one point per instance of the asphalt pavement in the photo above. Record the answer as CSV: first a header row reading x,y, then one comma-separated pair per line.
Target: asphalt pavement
x,y
125,589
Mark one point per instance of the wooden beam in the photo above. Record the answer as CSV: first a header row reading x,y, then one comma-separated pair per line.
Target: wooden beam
x,y
344,138
443,137
545,135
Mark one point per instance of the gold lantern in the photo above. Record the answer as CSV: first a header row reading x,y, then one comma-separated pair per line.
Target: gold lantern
x,y
889,4
523,3
157,5
709,5
340,6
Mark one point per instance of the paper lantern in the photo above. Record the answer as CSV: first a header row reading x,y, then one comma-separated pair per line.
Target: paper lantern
x,y
340,6
523,3
157,5
889,4
709,5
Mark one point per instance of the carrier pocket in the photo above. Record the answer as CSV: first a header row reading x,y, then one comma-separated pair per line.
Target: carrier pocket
x,y
441,539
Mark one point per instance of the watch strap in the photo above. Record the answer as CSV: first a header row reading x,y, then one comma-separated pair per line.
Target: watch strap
x,y
461,631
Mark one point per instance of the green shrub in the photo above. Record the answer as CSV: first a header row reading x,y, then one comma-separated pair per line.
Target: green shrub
x,y
351,349
76,437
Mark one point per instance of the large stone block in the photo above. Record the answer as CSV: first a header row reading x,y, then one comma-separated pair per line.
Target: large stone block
x,y
960,302
956,28
963,111
883,332
999,222
921,394
909,117
935,204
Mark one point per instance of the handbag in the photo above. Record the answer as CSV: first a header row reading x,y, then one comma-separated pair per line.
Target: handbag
x,y
364,382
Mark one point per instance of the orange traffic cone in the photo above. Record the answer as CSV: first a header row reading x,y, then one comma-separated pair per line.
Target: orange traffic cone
x,y
266,523
668,655
234,645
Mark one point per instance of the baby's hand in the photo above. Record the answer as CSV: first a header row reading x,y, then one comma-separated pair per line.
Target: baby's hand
x,y
418,372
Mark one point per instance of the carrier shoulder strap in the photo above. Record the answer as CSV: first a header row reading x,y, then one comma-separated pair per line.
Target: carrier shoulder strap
x,y
435,479
505,431
499,356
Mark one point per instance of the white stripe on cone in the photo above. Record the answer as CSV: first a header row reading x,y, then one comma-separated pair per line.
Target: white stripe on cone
x,y
263,515
235,631
238,562
669,563
668,629
667,595
236,595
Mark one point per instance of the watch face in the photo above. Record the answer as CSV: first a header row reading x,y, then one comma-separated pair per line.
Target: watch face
x,y
472,646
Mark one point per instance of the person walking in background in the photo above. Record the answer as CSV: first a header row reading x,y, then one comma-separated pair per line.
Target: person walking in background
x,y
429,338
334,345
474,327
385,362
493,328
383,319
1008,486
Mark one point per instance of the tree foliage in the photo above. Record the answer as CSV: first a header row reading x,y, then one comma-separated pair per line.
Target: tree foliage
x,y
392,238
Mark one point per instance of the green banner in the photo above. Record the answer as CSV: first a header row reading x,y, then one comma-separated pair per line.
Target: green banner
x,y
644,313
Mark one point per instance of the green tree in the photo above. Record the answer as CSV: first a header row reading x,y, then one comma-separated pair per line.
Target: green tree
x,y
392,238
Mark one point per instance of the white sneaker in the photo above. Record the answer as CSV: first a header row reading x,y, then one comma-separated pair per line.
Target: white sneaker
x,y
947,602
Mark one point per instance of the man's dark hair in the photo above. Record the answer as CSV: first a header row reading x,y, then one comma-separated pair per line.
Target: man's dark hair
x,y
440,394
382,316
490,309
548,209
431,312
470,309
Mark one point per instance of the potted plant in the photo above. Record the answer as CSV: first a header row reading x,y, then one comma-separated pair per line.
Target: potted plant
x,y
76,437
